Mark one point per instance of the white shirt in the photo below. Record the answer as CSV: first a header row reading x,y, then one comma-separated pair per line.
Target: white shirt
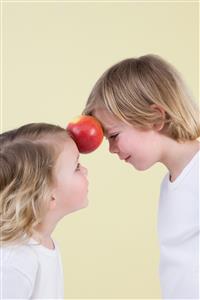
x,y
31,271
178,228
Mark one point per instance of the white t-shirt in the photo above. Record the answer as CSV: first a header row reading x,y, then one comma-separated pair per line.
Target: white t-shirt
x,y
178,229
31,271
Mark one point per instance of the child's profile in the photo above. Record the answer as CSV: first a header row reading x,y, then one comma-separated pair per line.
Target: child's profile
x,y
41,181
149,117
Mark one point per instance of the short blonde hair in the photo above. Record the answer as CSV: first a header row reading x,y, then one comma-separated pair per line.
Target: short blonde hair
x,y
27,159
129,88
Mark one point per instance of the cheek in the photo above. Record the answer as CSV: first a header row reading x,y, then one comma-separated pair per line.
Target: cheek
x,y
136,145
79,187
74,194
139,142
122,144
126,144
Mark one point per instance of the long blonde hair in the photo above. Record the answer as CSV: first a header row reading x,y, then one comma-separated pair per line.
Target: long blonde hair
x,y
130,88
27,158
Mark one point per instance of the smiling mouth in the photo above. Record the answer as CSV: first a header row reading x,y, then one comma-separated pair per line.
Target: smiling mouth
x,y
126,159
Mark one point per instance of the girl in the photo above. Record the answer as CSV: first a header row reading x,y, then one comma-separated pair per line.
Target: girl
x,y
148,116
41,181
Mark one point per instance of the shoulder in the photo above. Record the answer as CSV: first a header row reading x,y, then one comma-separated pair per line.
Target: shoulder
x,y
21,258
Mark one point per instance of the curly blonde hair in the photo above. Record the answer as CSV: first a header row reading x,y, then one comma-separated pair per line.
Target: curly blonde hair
x,y
130,88
27,158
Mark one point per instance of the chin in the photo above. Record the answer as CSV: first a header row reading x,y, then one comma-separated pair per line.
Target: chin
x,y
79,206
84,204
141,167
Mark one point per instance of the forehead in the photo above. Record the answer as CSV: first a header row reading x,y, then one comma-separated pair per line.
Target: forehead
x,y
70,147
107,120
69,152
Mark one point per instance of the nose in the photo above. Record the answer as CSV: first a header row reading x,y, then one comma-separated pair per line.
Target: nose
x,y
113,147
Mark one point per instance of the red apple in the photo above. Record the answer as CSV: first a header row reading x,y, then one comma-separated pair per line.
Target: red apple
x,y
87,133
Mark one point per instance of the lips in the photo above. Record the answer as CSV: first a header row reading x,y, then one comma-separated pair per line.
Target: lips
x,y
127,158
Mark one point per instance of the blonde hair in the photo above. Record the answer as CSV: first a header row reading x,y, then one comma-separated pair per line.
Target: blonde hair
x,y
130,88
27,159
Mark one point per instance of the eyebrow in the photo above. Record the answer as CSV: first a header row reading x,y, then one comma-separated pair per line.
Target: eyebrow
x,y
107,130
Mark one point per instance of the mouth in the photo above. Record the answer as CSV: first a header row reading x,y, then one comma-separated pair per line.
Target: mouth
x,y
127,159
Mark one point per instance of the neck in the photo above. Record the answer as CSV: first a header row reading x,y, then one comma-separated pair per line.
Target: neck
x,y
43,233
178,155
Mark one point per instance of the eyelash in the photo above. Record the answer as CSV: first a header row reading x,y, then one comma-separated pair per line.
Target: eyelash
x,y
78,167
113,136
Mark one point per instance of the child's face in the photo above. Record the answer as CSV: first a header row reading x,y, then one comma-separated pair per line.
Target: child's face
x,y
140,148
71,184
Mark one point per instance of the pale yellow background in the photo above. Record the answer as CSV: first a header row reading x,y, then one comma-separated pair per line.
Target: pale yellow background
x,y
52,55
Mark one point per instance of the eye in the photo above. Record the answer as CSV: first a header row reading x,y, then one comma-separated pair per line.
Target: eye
x,y
78,166
113,136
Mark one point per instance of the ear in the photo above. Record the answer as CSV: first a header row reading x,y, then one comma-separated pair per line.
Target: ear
x,y
159,110
52,203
